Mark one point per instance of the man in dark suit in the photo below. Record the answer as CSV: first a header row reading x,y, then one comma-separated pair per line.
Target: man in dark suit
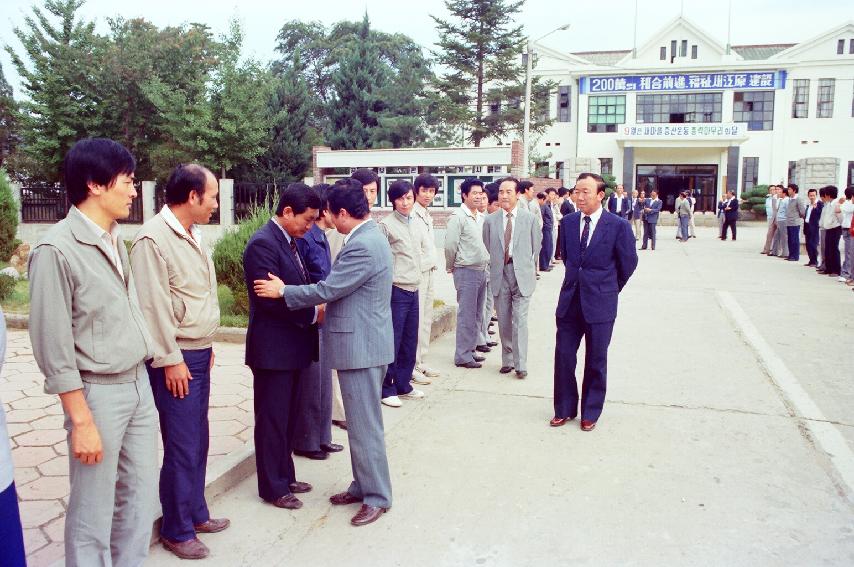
x,y
281,343
599,257
811,228
620,204
730,211
547,246
651,210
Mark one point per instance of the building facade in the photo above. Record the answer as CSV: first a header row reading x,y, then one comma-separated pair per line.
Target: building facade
x,y
685,112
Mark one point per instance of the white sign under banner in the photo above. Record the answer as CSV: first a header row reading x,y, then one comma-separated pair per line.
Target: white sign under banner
x,y
683,131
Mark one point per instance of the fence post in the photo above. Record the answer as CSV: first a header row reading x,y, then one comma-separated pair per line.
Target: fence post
x,y
226,202
16,195
148,200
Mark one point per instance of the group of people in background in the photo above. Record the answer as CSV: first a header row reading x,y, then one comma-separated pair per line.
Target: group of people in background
x,y
825,219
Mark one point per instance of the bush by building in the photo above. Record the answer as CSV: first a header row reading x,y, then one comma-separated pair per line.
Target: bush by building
x,y
8,218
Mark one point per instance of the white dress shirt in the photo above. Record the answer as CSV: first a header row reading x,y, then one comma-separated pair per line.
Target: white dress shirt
x,y
504,219
594,220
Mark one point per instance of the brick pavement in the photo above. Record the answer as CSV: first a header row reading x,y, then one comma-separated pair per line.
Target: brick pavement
x,y
39,448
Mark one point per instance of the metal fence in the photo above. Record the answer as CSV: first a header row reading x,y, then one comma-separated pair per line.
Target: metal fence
x,y
45,203
160,200
250,194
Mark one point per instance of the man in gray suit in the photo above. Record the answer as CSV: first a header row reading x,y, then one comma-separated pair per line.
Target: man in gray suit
x,y
512,237
651,210
358,330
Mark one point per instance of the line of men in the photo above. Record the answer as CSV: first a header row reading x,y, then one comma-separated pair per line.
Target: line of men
x,y
825,218
125,337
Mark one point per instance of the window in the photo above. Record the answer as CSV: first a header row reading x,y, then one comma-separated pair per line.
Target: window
x,y
801,98
850,174
541,169
824,105
693,52
754,107
749,173
605,112
559,170
662,54
683,49
672,50
563,108
851,46
792,177
606,165
543,96
678,108
840,47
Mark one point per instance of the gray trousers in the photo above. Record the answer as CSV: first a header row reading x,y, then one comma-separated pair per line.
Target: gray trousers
x,y
113,504
425,316
512,309
361,391
846,255
314,421
821,232
769,236
471,297
781,240
488,305
637,226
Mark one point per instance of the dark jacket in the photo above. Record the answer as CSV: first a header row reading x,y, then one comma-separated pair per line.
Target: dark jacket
x,y
548,217
732,213
314,248
278,338
811,220
599,275
625,211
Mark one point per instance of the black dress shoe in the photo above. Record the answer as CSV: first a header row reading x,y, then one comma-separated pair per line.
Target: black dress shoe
x,y
491,344
491,331
331,447
521,374
313,455
482,348
478,358
492,319
506,369
470,365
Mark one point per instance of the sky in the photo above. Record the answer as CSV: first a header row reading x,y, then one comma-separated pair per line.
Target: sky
x,y
594,25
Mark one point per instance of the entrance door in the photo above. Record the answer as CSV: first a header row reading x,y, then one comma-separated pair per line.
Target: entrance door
x,y
699,180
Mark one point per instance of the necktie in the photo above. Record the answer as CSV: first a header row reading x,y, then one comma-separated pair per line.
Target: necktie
x,y
585,234
508,237
299,260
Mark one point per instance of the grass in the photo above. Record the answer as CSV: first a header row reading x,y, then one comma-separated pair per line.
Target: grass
x,y
227,318
19,301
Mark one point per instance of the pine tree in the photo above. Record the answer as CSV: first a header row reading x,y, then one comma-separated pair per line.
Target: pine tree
x,y
8,120
291,134
481,47
60,107
356,103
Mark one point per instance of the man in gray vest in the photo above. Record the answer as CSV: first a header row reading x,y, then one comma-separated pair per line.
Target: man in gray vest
x,y
90,341
358,297
513,238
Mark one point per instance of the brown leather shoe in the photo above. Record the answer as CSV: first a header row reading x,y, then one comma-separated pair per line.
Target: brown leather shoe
x,y
289,501
340,423
191,549
587,425
367,514
300,487
343,498
212,526
558,421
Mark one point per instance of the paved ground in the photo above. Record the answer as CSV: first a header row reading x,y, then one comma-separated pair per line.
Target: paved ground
x,y
39,447
702,456
726,439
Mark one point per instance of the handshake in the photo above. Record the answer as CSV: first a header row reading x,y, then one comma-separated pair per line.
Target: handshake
x,y
274,288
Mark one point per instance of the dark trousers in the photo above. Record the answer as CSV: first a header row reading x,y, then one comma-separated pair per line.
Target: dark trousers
x,y
728,223
597,337
11,534
811,237
404,320
314,420
557,252
276,406
547,249
184,429
831,250
648,233
793,236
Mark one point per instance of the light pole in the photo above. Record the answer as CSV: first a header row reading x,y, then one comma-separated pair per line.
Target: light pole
x,y
526,131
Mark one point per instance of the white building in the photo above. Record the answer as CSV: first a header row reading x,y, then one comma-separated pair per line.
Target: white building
x,y
686,112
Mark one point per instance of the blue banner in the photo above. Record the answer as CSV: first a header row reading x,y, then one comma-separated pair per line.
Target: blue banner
x,y
683,82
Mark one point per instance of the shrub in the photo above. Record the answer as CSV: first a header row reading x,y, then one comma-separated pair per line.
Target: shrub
x,y
8,217
7,286
228,256
753,197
